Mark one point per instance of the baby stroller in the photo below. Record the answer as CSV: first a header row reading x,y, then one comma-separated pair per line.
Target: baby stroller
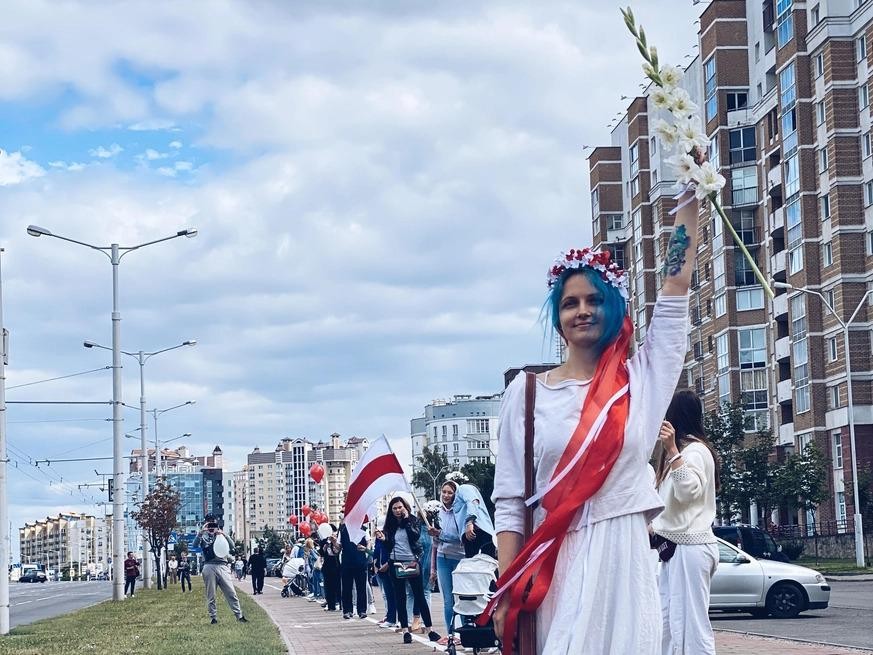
x,y
473,582
293,572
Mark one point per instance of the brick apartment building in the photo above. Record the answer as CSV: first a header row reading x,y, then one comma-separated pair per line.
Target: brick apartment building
x,y
783,91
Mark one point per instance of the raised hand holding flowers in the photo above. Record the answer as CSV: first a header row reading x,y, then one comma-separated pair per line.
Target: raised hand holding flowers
x,y
683,132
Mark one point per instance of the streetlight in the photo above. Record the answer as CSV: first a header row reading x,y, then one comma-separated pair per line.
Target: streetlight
x,y
436,477
4,503
155,414
141,358
114,252
859,530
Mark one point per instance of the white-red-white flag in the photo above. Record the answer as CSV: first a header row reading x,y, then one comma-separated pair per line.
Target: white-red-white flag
x,y
378,473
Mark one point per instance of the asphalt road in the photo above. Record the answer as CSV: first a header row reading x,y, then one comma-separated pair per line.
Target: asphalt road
x,y
846,622
31,602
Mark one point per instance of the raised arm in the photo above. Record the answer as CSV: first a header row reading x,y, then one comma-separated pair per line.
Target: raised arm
x,y
681,249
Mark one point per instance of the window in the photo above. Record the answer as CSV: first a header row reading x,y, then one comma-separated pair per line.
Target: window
x,y
744,275
614,221
444,431
754,397
477,426
720,305
827,253
748,299
714,150
799,353
820,113
861,49
829,297
841,505
722,355
834,398
792,176
837,437
788,87
595,201
742,145
737,100
635,187
653,146
822,160
634,152
819,64
795,260
718,267
868,147
824,204
863,97
815,16
455,430
789,131
753,350
868,194
784,22
709,88
744,185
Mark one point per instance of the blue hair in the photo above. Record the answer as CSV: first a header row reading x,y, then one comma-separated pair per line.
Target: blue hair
x,y
614,305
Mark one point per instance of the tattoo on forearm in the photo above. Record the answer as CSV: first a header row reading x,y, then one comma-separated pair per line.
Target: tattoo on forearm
x,y
676,248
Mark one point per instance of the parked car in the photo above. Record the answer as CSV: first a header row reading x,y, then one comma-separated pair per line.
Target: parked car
x,y
272,562
743,583
32,576
752,540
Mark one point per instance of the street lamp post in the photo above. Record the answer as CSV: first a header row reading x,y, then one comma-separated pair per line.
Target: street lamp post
x,y
155,414
115,253
436,477
859,528
4,503
141,358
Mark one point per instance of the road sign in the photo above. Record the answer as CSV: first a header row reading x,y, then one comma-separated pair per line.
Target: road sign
x,y
111,488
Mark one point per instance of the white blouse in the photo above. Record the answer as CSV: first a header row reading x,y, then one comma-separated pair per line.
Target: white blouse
x,y
688,493
654,371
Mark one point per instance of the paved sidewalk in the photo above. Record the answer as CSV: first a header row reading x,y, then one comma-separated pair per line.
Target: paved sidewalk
x,y
309,630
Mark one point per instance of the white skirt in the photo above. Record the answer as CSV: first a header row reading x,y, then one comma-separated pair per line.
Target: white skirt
x,y
604,595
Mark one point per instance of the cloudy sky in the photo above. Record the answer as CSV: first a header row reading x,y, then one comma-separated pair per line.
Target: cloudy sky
x,y
379,187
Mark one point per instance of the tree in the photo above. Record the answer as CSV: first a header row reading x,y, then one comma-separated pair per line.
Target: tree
x,y
726,430
157,517
481,474
801,481
272,543
430,471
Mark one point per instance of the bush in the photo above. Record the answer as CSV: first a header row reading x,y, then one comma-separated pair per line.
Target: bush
x,y
792,548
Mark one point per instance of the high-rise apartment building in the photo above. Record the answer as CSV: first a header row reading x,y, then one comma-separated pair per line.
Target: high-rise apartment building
x,y
70,540
339,460
783,91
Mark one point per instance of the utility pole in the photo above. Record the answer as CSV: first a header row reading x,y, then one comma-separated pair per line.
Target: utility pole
x,y
4,501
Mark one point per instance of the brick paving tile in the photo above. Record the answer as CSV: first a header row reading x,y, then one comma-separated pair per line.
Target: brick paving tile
x,y
309,630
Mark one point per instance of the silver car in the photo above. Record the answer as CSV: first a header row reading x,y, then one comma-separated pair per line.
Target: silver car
x,y
762,586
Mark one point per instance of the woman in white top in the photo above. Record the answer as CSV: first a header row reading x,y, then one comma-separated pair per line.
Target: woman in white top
x,y
687,480
596,417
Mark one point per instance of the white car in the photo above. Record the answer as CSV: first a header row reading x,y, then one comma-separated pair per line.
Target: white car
x,y
762,586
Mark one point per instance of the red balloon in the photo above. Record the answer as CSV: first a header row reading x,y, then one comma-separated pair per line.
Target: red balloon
x,y
305,529
321,518
316,472
306,509
293,519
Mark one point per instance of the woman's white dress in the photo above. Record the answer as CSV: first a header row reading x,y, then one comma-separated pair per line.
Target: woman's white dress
x,y
604,597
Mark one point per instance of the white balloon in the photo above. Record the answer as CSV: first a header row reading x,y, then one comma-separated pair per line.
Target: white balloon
x,y
221,547
324,530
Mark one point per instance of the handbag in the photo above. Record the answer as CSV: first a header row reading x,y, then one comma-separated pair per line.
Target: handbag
x,y
318,564
526,640
664,547
404,570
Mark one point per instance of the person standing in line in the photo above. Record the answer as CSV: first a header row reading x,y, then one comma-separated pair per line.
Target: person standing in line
x,y
353,569
403,543
238,567
330,569
172,568
380,561
258,568
412,607
449,551
131,573
184,570
687,481
215,571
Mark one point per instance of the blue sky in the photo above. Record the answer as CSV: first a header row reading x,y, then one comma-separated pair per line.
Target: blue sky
x,y
379,189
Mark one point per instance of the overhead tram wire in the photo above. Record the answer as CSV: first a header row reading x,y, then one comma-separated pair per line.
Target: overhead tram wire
x,y
60,377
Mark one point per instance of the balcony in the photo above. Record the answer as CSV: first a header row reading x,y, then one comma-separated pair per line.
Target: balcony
x,y
740,117
783,391
774,177
777,264
777,219
783,348
786,434
780,305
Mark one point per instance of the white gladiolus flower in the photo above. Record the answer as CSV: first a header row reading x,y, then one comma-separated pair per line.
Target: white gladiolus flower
x,y
667,133
684,166
708,180
671,76
682,107
648,70
690,136
661,98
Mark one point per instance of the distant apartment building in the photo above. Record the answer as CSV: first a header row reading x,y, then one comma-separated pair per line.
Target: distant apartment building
x,y
784,94
67,540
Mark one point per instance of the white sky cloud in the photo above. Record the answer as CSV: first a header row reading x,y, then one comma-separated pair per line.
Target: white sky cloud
x,y
106,153
15,168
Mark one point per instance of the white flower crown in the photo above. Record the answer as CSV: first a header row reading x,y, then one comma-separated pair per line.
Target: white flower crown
x,y
598,260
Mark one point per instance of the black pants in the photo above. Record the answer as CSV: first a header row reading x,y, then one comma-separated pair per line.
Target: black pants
x,y
417,586
483,543
186,575
331,586
129,583
358,577
257,581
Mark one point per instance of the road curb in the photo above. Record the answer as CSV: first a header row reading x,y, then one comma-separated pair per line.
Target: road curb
x,y
808,642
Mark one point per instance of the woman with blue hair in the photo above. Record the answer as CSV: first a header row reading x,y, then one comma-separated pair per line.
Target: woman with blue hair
x,y
574,549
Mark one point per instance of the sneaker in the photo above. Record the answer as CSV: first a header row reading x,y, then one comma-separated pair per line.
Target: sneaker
x,y
371,609
433,636
347,616
407,637
243,619
214,621
362,616
443,641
